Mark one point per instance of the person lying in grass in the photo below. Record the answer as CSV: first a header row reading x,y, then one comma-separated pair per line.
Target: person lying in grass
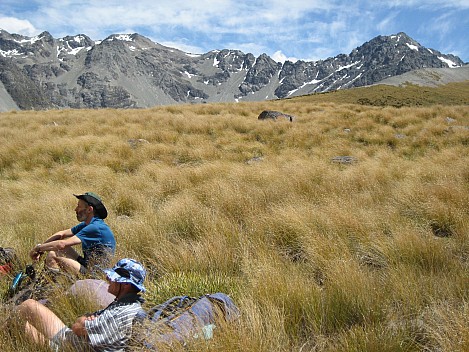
x,y
96,239
108,329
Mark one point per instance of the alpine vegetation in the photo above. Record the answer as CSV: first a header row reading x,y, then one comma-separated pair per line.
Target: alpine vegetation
x,y
343,229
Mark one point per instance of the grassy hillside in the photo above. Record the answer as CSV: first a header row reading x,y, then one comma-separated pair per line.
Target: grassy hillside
x,y
386,95
321,253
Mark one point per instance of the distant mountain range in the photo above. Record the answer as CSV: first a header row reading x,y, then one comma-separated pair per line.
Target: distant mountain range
x,y
131,71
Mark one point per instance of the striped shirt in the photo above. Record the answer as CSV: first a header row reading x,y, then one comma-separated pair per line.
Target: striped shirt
x,y
110,331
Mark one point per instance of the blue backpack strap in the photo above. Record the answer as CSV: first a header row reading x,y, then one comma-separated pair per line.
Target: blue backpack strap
x,y
155,312
140,316
226,304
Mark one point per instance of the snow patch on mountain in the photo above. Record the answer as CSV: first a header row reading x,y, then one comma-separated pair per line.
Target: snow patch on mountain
x,y
8,53
450,63
347,66
123,37
189,75
118,37
31,40
413,47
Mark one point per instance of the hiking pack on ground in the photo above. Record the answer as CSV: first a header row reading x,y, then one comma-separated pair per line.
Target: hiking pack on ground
x,y
34,281
182,318
8,260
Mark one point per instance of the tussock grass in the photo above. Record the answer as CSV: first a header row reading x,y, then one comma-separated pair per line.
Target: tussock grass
x,y
370,255
445,325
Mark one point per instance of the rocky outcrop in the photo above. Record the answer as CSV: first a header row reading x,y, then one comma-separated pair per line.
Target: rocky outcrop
x,y
259,75
274,115
25,91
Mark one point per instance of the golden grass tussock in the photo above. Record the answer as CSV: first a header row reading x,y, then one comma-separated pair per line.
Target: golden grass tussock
x,y
445,325
344,230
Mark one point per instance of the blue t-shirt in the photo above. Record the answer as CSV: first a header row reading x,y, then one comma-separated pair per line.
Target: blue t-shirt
x,y
97,239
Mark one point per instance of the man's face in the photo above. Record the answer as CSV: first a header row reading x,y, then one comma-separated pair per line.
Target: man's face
x,y
83,210
114,287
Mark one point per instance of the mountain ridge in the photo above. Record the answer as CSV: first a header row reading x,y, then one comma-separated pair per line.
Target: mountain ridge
x,y
131,71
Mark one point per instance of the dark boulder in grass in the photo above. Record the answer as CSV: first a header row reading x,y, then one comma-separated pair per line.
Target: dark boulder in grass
x,y
274,115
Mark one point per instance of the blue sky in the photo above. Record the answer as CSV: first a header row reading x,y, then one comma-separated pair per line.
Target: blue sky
x,y
283,29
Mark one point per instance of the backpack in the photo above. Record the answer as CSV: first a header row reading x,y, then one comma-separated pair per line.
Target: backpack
x,y
23,286
34,281
8,260
182,318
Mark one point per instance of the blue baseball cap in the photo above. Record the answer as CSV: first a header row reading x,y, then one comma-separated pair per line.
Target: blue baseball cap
x,y
129,271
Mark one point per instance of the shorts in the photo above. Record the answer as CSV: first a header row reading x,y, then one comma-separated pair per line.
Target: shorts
x,y
82,262
95,263
66,340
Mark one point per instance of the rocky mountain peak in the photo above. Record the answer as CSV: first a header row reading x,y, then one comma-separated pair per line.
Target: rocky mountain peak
x,y
130,70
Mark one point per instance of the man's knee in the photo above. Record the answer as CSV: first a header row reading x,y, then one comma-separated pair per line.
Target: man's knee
x,y
68,264
26,307
51,257
29,303
56,260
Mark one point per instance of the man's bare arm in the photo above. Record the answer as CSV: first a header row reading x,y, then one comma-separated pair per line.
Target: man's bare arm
x,y
56,245
60,235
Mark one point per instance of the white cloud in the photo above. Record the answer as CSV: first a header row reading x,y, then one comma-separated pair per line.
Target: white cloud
x,y
442,25
281,57
387,22
303,29
255,48
15,25
208,16
431,4
187,48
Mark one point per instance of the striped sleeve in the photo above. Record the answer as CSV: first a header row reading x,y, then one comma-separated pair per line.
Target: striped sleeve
x,y
111,330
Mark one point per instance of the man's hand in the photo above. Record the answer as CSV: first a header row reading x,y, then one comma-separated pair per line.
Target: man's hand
x,y
90,317
78,327
35,253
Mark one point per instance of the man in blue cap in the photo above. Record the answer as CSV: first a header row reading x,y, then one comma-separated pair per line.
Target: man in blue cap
x,y
96,239
108,329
